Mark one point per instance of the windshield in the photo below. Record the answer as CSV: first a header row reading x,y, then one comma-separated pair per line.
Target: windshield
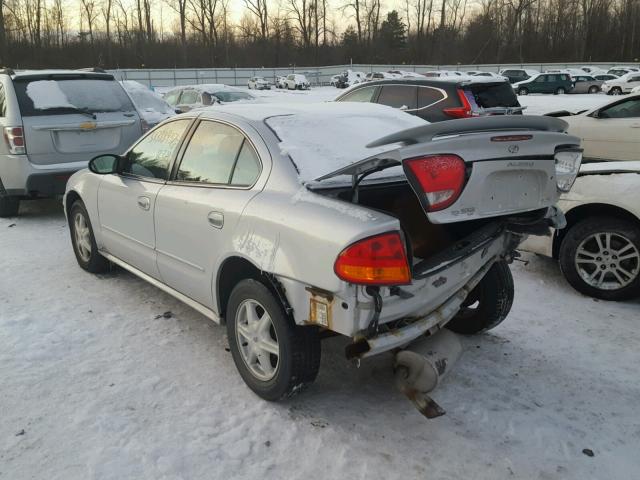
x,y
52,96
147,100
232,96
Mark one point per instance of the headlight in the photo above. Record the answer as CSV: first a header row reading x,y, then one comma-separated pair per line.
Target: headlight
x,y
567,167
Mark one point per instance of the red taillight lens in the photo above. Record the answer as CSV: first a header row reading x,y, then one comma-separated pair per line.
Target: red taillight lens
x,y
379,260
14,138
465,111
440,177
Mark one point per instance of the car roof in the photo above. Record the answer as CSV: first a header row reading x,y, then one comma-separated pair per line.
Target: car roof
x,y
435,81
51,72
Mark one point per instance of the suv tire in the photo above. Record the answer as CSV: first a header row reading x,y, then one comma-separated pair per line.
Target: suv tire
x,y
257,328
83,240
523,91
578,267
9,206
560,91
488,304
615,91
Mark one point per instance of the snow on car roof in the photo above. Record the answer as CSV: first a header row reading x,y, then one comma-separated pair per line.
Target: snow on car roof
x,y
323,137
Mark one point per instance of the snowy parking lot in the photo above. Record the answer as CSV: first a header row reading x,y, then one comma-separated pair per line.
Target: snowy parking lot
x,y
106,377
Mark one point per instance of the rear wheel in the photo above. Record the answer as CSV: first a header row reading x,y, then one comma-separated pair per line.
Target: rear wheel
x,y
275,357
523,91
593,89
9,206
560,91
83,241
600,257
488,304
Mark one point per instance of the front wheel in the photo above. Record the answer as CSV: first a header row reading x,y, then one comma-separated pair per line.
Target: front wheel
x,y
523,91
275,357
600,257
615,91
488,304
83,240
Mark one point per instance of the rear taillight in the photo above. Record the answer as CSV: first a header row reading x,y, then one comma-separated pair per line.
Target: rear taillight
x,y
439,177
378,260
465,111
14,137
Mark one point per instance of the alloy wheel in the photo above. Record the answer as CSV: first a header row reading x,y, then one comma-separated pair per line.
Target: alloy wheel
x,y
607,261
257,340
82,236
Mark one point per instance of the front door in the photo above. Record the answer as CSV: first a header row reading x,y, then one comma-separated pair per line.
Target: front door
x,y
197,211
126,201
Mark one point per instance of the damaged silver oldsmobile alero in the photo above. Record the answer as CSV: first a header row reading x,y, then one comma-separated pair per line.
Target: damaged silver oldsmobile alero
x,y
285,221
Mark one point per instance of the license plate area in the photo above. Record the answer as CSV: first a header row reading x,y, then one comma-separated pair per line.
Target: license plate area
x,y
512,190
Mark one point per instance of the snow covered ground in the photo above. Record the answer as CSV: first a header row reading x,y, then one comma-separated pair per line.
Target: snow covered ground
x,y
96,383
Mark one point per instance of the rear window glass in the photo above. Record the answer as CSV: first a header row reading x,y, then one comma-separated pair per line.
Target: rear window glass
x,y
494,95
59,96
228,96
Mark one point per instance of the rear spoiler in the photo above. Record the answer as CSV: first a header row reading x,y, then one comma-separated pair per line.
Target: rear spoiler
x,y
426,133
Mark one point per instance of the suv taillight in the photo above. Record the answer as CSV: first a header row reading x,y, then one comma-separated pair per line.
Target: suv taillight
x,y
465,111
440,177
378,260
14,137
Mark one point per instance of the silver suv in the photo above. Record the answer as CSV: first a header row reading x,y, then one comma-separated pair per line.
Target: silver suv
x,y
53,122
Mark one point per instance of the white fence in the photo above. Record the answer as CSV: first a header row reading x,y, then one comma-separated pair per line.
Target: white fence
x,y
316,75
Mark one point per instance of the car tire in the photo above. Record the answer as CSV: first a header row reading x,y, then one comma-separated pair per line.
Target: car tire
x,y
581,255
83,240
615,91
560,91
9,206
271,376
488,304
594,89
523,91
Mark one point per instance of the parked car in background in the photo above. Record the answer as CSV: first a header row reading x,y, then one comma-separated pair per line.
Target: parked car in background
x,y
376,76
439,99
610,132
188,97
258,83
478,73
604,76
593,70
251,220
349,78
151,107
53,122
586,84
518,74
556,83
281,82
620,71
621,85
405,74
599,249
297,81
570,71
333,81
442,73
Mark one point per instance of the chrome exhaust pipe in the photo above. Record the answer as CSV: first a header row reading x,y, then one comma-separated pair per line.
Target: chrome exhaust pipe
x,y
421,367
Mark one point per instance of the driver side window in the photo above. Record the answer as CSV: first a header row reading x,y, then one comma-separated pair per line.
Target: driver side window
x,y
151,157
625,109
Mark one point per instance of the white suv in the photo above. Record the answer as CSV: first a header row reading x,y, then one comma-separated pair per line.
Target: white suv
x,y
621,85
295,81
53,122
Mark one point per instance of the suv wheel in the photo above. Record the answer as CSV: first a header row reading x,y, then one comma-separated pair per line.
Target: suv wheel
x,y
523,91
600,257
560,91
275,357
615,91
488,304
83,241
9,206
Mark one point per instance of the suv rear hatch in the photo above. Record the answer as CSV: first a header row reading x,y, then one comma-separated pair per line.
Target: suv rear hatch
x,y
485,97
70,117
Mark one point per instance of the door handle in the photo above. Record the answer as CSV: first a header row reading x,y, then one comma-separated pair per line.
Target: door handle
x,y
216,219
144,203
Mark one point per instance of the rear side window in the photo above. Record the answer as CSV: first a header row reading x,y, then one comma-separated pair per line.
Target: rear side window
x,y
172,97
360,95
493,95
428,96
399,96
59,95
247,167
189,97
211,154
152,155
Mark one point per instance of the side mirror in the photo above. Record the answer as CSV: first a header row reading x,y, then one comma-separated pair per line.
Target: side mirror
x,y
104,164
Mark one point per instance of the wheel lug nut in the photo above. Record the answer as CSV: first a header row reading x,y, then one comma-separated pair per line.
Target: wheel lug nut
x,y
602,267
599,259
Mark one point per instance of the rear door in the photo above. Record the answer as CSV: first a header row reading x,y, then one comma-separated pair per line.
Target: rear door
x,y
196,212
69,118
634,81
126,201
